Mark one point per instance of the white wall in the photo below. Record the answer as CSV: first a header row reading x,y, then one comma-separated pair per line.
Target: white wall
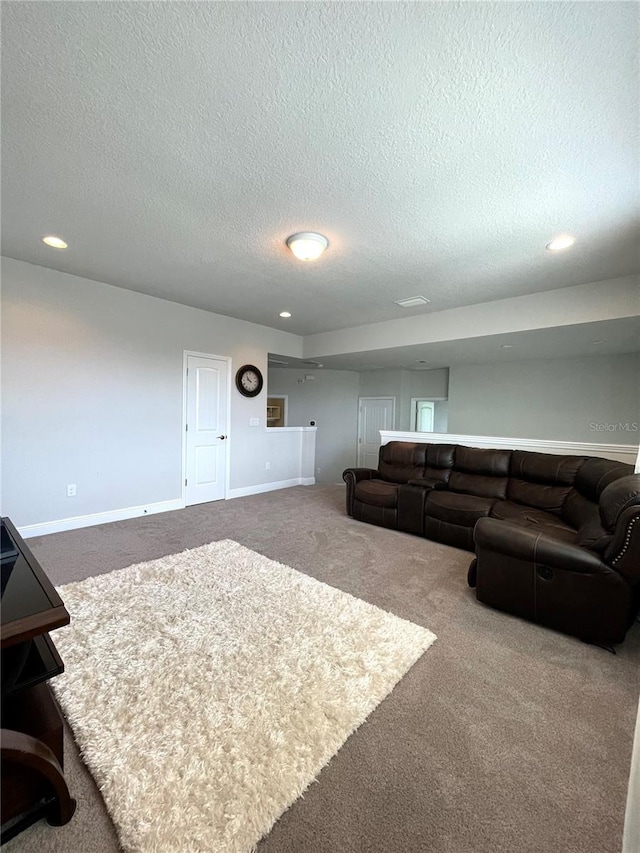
x,y
331,399
92,395
556,399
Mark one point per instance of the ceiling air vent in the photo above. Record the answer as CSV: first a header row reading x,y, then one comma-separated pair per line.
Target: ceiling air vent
x,y
412,301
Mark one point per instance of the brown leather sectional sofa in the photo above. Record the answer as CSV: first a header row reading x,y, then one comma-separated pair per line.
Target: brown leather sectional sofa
x,y
557,538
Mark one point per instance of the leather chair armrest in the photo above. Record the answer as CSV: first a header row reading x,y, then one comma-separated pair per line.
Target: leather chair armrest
x,y
353,475
524,544
619,496
623,554
427,483
356,474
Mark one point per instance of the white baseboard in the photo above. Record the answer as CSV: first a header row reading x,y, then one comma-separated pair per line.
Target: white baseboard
x,y
98,518
619,452
79,521
270,487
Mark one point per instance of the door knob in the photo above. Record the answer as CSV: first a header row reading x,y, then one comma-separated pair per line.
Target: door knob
x,y
222,437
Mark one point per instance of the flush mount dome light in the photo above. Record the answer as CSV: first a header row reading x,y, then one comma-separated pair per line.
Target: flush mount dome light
x,y
285,313
307,246
563,241
54,242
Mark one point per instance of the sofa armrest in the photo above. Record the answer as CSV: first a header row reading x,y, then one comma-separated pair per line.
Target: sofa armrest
x,y
356,474
351,476
521,543
619,496
427,483
623,554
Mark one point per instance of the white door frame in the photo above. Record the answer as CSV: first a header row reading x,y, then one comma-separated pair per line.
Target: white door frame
x,y
359,436
185,360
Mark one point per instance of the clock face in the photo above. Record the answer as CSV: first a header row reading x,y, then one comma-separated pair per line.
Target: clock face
x,y
249,380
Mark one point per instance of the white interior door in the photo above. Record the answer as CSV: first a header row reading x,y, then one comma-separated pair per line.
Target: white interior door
x,y
375,413
423,415
207,382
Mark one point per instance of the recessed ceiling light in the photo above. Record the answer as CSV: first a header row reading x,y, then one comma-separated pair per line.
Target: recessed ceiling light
x,y
412,301
54,242
421,361
598,342
563,241
307,245
506,346
285,313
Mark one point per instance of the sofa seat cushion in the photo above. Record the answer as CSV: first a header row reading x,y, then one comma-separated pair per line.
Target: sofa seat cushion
x,y
377,493
534,519
455,508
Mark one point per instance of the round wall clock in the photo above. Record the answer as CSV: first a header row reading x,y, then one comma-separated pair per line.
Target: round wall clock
x,y
249,380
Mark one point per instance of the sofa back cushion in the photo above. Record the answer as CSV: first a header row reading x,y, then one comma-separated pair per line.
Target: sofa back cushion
x,y
596,474
481,472
440,459
580,508
542,480
400,461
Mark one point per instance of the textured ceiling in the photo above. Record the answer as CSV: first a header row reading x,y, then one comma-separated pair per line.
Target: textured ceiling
x,y
439,146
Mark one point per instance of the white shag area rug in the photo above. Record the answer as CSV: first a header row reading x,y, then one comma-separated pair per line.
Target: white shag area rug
x,y
207,689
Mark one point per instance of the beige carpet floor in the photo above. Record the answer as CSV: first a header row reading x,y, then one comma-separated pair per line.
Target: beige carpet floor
x,y
504,738
211,701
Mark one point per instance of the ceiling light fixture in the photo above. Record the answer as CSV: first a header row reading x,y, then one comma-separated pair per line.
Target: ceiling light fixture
x,y
598,342
506,346
54,242
563,241
307,246
285,313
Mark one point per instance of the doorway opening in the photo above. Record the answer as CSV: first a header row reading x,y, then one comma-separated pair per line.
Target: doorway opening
x,y
277,411
422,415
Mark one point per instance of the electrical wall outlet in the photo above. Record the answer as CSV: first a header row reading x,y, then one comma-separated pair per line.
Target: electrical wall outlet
x,y
254,421
71,490
267,466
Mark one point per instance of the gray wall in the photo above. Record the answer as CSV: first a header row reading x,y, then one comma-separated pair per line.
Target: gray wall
x,y
92,395
548,398
331,400
405,384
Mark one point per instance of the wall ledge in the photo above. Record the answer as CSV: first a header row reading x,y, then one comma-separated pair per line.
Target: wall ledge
x,y
618,452
291,429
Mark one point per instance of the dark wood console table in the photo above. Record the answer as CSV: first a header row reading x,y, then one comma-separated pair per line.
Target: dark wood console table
x,y
31,739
